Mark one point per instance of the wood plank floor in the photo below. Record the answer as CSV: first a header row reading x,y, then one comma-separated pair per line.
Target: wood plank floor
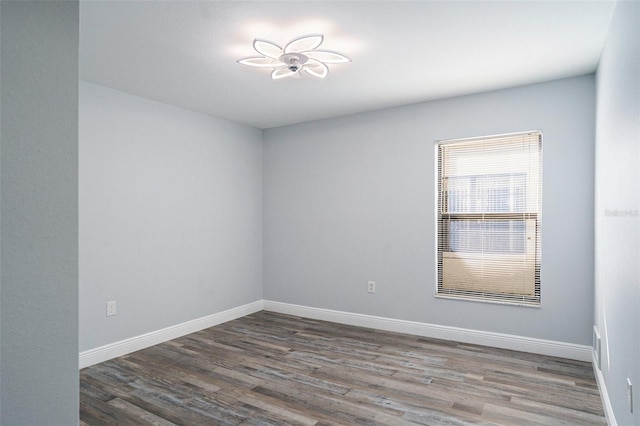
x,y
269,368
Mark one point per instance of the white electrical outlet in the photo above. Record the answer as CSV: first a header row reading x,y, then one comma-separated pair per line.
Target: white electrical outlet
x,y
371,286
630,394
111,308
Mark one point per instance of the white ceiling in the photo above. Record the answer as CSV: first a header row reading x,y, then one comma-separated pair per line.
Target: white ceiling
x,y
184,52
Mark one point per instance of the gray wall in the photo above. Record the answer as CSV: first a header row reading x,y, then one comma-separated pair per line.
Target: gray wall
x,y
170,215
39,212
617,210
351,199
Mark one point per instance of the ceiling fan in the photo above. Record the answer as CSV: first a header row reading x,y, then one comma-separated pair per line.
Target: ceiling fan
x,y
299,55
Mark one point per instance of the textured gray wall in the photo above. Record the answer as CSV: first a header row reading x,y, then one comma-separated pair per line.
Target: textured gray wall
x,y
617,210
39,212
351,199
170,215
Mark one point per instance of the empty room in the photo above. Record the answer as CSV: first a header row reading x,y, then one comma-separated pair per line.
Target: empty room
x,y
319,212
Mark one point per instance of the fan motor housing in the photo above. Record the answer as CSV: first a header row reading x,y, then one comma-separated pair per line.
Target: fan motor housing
x,y
294,61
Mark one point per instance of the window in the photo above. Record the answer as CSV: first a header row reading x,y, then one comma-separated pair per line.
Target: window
x,y
488,221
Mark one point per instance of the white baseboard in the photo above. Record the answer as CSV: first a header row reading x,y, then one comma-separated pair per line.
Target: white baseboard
x,y
604,395
123,347
498,340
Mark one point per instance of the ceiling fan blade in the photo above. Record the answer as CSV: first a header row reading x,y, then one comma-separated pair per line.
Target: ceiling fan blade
x,y
261,62
304,43
282,72
316,68
267,48
327,56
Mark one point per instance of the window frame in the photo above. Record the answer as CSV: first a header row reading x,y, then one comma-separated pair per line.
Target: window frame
x,y
535,300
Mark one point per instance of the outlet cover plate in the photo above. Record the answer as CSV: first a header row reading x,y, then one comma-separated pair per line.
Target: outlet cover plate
x,y
371,286
111,308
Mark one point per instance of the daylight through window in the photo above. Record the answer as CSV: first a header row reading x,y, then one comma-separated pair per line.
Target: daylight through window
x,y
489,208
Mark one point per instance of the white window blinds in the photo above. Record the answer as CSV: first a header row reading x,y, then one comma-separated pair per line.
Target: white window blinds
x,y
489,208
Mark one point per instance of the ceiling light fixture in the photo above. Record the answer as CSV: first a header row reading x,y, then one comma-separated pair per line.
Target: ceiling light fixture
x,y
299,55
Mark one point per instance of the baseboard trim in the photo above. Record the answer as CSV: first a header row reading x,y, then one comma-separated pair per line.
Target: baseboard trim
x,y
498,340
124,347
604,395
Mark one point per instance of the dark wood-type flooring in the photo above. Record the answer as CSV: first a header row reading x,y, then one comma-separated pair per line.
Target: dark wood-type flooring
x,y
270,368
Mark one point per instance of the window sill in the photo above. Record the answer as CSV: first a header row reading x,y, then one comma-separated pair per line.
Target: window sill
x,y
493,301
